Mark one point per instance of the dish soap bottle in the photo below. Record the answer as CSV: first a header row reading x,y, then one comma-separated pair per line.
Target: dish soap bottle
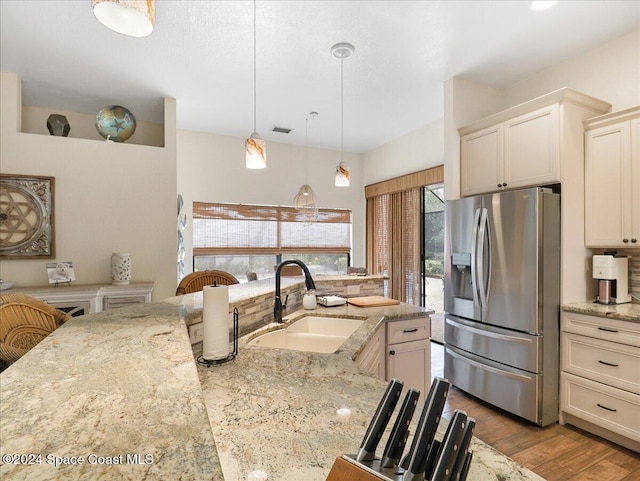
x,y
309,299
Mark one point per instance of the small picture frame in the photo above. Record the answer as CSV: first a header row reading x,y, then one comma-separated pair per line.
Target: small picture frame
x,y
59,272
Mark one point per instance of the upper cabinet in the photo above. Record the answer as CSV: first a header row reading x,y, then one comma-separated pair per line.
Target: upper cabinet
x,y
612,179
520,152
522,146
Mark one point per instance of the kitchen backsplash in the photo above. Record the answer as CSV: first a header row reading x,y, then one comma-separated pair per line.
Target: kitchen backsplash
x,y
634,272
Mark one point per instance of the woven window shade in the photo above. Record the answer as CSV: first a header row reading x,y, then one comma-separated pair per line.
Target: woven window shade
x,y
393,231
244,229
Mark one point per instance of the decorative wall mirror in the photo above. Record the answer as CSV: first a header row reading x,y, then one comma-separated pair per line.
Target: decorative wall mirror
x,y
26,217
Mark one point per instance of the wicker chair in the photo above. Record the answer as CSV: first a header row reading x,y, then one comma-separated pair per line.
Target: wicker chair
x,y
196,281
24,322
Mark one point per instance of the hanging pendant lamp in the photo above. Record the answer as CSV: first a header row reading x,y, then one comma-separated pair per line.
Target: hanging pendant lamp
x,y
255,147
342,51
134,18
305,199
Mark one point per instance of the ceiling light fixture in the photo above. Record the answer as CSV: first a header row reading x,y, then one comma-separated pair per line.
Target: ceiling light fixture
x,y
305,200
134,18
255,147
540,5
342,51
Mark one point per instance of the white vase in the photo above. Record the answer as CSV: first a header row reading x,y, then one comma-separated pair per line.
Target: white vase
x,y
120,268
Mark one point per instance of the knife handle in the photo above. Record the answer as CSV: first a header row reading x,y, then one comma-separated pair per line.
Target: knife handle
x,y
465,466
449,449
398,437
462,452
380,420
415,460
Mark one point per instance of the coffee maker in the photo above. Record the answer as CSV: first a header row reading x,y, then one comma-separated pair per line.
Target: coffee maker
x,y
612,273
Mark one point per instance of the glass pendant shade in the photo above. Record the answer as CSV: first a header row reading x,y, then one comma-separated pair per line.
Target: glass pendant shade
x,y
134,18
305,199
255,152
343,178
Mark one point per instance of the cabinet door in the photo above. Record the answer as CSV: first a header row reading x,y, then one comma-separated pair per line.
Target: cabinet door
x,y
635,183
607,186
481,161
532,149
410,362
371,358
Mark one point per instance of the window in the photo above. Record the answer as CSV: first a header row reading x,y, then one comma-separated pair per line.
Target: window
x,y
238,238
397,232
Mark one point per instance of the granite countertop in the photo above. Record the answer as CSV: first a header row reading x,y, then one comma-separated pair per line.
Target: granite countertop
x,y
124,382
274,412
104,386
622,312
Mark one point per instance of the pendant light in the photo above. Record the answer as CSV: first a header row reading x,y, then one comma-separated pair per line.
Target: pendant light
x,y
342,51
255,147
305,200
134,18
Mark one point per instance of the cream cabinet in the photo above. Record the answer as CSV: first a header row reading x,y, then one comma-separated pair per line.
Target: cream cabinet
x,y
612,180
525,145
400,349
371,358
600,377
519,152
78,300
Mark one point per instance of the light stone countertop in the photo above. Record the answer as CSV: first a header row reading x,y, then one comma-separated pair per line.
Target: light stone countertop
x,y
622,312
112,384
124,382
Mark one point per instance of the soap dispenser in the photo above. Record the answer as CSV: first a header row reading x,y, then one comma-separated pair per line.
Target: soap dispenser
x,y
309,299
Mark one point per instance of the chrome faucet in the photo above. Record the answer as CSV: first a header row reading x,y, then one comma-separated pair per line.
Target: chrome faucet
x,y
278,306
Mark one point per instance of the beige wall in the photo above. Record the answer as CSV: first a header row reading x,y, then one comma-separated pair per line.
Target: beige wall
x,y
417,150
108,198
211,169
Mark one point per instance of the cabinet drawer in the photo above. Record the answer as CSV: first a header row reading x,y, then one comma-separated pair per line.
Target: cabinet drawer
x,y
602,328
604,406
115,302
408,330
617,365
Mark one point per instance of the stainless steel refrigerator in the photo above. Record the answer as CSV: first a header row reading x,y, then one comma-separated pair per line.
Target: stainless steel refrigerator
x,y
502,294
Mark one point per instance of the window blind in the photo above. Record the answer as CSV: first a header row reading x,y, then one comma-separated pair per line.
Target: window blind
x,y
394,234
257,229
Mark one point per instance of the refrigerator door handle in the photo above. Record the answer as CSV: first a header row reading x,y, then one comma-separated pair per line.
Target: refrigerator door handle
x,y
474,258
483,283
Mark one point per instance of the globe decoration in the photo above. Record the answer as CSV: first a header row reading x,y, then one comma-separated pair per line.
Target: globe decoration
x,y
115,123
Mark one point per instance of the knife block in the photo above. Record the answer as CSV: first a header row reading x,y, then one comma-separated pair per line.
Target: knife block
x,y
346,468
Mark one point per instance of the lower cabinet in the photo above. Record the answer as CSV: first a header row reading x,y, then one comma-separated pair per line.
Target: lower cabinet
x,y
600,377
400,350
78,300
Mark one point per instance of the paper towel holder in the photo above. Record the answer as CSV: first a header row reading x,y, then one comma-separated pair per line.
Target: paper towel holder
x,y
232,355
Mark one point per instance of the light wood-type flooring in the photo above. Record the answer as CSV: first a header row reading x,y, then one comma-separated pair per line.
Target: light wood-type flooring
x,y
557,453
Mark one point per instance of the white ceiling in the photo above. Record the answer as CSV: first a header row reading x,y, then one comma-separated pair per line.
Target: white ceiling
x,y
201,53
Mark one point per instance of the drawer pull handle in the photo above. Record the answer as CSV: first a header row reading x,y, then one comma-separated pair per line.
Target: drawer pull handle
x,y
409,331
608,409
607,329
608,363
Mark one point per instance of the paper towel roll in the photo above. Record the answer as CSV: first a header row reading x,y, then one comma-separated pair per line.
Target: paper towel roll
x,y
215,317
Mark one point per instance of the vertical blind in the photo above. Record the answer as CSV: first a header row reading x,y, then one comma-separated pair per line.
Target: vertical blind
x,y
257,229
393,231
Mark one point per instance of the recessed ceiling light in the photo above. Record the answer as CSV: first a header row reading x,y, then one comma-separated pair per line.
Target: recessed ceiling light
x,y
540,5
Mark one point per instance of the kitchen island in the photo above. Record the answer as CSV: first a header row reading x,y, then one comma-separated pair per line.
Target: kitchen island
x,y
118,395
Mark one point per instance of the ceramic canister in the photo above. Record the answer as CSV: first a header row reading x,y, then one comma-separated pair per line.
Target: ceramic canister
x,y
120,268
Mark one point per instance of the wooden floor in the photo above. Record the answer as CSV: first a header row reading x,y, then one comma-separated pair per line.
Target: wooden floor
x,y
557,453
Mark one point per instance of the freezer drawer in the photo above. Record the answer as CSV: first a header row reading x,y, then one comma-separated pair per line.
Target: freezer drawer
x,y
510,389
516,349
